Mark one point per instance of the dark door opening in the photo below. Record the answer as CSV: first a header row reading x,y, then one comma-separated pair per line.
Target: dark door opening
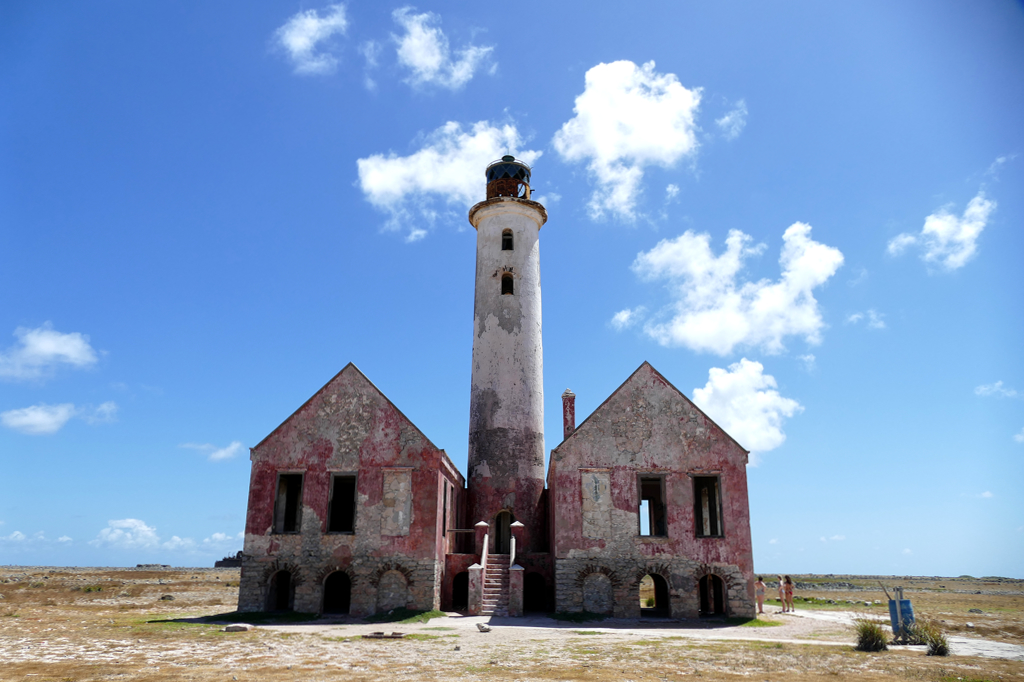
x,y
281,596
654,599
337,593
460,591
502,533
535,593
712,596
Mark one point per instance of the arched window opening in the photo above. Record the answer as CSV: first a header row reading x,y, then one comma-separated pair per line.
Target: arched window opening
x,y
506,240
506,283
281,595
502,533
460,591
536,596
337,593
712,596
654,599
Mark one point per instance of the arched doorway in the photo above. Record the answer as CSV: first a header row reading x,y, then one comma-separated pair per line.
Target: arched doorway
x,y
337,593
502,533
535,593
654,599
712,596
460,591
281,595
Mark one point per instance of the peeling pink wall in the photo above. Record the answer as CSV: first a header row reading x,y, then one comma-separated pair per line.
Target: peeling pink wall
x,y
648,426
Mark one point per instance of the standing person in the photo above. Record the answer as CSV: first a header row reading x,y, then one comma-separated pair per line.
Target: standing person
x,y
789,594
759,589
782,594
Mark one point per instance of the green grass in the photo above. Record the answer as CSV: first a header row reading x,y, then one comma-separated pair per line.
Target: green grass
x,y
404,615
250,617
753,622
587,632
578,616
439,627
423,637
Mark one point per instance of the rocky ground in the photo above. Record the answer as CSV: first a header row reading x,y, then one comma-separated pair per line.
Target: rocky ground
x,y
117,624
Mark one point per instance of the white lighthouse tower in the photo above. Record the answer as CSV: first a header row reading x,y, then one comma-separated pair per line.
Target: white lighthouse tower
x,y
506,427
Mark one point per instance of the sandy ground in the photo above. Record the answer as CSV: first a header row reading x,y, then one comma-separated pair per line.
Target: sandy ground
x,y
111,624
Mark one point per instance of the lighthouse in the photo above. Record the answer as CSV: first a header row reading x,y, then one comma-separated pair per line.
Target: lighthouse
x,y
506,419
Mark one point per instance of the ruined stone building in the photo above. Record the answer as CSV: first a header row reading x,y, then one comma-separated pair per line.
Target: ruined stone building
x,y
353,510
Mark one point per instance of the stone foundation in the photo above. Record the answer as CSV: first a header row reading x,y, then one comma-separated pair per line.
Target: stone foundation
x,y
612,586
378,584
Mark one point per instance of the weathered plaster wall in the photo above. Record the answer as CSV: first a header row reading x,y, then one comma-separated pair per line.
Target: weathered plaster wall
x,y
648,427
350,427
506,432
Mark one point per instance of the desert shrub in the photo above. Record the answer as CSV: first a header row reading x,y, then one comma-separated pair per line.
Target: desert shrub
x,y
928,633
938,645
870,636
650,602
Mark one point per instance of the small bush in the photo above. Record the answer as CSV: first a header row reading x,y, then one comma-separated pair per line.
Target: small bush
x,y
870,636
927,633
650,602
938,645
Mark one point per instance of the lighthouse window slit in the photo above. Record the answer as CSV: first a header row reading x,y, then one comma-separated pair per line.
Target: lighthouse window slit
x,y
288,505
707,510
506,284
342,515
506,240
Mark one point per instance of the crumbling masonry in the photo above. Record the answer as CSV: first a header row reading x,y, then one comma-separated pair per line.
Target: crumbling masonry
x,y
353,510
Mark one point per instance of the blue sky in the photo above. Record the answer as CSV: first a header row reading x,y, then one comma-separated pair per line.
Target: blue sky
x,y
806,215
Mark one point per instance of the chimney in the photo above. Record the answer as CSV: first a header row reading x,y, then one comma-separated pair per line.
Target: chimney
x,y
568,413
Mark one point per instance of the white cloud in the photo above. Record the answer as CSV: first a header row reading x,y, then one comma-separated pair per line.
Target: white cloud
x,y
773,541
987,495
424,50
16,536
104,414
46,419
214,453
996,389
627,318
447,170
837,538
370,50
907,551
714,312
628,117
744,402
38,419
304,35
64,538
1019,437
671,192
127,534
136,534
41,350
732,123
808,360
946,239
874,319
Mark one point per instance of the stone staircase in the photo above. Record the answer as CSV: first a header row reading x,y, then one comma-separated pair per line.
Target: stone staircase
x,y
496,586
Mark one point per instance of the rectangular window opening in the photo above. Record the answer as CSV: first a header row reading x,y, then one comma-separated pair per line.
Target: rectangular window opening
x,y
288,506
342,516
707,506
652,506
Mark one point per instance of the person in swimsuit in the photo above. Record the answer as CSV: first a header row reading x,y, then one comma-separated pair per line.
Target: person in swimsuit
x,y
782,594
759,589
789,594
